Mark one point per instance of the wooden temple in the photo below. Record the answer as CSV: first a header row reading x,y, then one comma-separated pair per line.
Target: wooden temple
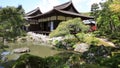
x,y
46,22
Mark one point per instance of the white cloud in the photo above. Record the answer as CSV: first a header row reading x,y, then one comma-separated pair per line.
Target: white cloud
x,y
85,5
77,1
80,5
53,2
94,1
46,5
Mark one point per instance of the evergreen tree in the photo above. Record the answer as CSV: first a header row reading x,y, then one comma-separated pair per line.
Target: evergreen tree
x,y
94,9
11,22
108,21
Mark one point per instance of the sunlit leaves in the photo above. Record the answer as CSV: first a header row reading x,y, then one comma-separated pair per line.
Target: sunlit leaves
x,y
11,21
70,26
115,6
108,20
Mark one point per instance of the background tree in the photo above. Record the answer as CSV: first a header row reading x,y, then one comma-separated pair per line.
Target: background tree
x,y
11,22
108,21
94,10
115,6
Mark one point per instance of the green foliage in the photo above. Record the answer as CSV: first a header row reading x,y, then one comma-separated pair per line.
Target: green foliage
x,y
92,66
88,38
61,60
66,43
96,57
81,37
95,10
55,62
115,6
30,61
108,21
65,60
96,54
69,43
113,62
60,45
68,27
70,59
11,22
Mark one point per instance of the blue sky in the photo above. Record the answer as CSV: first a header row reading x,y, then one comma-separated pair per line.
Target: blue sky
x,y
46,5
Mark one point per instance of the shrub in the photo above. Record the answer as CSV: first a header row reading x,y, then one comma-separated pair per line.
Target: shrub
x,y
93,66
57,61
30,61
113,62
87,38
81,37
92,40
70,26
95,54
66,43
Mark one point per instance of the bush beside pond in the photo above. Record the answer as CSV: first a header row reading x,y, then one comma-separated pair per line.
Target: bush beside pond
x,y
67,60
61,60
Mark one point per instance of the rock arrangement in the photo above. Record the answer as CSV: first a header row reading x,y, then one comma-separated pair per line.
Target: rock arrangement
x,y
81,47
107,42
46,40
39,39
21,50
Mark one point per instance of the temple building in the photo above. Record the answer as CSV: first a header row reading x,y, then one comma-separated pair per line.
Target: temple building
x,y
46,22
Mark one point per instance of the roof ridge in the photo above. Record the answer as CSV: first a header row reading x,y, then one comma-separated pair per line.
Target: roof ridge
x,y
64,4
32,11
74,13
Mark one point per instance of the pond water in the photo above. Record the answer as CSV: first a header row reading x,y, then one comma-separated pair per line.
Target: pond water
x,y
1,67
43,51
37,50
5,53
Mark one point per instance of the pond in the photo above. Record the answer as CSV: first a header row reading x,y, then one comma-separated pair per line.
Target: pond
x,y
37,50
3,57
5,53
43,51
1,67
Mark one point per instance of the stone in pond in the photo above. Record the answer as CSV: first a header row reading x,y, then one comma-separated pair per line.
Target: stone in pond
x,y
21,50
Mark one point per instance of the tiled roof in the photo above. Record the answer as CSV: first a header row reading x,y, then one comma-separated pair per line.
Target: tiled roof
x,y
34,11
61,9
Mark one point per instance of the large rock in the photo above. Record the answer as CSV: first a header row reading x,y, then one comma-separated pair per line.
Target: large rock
x,y
106,42
21,50
81,47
